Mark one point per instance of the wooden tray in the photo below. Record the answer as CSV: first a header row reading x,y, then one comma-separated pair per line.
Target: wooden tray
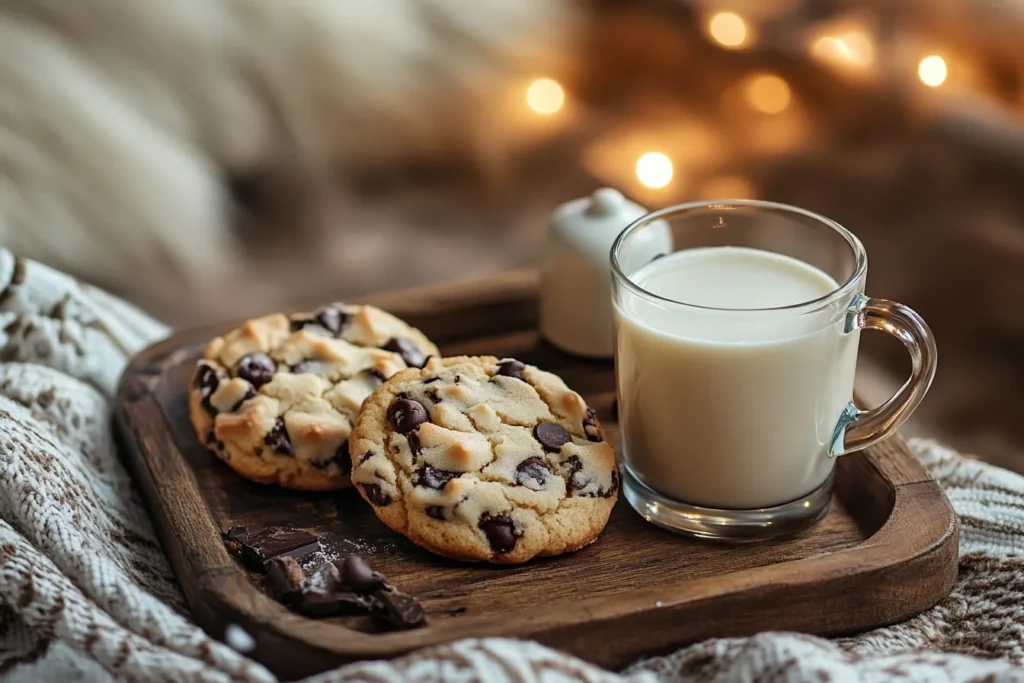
x,y
886,550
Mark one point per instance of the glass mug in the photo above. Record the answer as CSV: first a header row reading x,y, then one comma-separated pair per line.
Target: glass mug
x,y
736,333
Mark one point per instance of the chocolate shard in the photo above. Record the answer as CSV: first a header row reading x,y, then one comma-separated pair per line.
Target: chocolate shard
x,y
276,541
286,579
357,575
397,610
319,602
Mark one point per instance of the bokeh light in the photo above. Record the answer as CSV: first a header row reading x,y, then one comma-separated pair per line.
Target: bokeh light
x,y
654,170
728,29
545,96
767,93
932,71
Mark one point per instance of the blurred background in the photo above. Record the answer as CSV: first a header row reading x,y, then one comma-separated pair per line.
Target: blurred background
x,y
216,159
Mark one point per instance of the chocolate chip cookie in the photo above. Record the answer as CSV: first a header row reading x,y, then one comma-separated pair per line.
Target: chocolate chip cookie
x,y
276,398
481,459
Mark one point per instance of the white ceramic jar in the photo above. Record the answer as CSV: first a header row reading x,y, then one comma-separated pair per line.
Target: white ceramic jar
x,y
575,289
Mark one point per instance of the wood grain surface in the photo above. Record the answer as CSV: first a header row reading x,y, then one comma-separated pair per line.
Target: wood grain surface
x,y
886,550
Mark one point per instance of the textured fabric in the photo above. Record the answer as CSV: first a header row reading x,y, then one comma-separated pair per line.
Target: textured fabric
x,y
87,595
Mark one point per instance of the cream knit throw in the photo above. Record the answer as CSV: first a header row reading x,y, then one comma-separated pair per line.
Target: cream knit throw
x,y
87,595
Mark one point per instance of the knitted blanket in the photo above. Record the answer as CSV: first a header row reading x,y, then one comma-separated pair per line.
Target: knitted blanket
x,y
86,593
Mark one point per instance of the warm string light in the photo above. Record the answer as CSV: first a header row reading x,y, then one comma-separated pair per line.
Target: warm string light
x,y
654,170
846,46
932,71
545,96
767,93
729,30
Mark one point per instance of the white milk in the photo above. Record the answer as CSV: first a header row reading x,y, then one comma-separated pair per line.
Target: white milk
x,y
731,409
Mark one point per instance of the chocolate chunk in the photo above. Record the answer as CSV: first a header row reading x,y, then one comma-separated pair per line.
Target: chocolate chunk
x,y
256,368
501,532
276,541
551,436
435,511
397,610
359,576
511,368
412,354
406,415
430,380
321,602
590,426
433,477
278,439
286,578
434,396
365,456
376,495
534,470
233,538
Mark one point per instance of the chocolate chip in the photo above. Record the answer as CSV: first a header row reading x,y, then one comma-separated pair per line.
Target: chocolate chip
x,y
406,415
430,380
551,436
434,396
359,576
574,481
533,469
256,368
414,444
286,578
376,494
590,426
278,439
320,602
330,318
206,379
435,511
343,459
433,477
397,610
577,481
412,354
365,456
249,393
376,374
511,368
276,541
501,532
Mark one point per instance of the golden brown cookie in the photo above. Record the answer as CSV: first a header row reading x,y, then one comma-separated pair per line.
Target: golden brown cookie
x,y
276,398
481,459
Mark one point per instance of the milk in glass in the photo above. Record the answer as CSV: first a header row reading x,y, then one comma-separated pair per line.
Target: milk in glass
x,y
731,408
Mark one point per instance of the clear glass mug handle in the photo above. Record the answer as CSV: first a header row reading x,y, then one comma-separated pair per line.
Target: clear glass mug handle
x,y
858,429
